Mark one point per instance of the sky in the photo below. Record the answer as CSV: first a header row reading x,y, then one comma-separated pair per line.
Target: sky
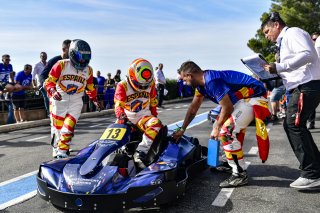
x,y
212,33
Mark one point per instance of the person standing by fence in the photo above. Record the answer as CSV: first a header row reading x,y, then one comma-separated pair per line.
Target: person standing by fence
x,y
160,83
38,68
23,80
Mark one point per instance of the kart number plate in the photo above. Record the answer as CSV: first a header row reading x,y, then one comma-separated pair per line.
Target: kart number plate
x,y
113,134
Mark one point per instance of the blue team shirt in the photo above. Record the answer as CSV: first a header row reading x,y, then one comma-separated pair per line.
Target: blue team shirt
x,y
100,81
236,84
24,80
5,72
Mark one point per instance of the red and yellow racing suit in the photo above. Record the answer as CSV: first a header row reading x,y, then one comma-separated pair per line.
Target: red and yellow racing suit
x,y
140,107
71,84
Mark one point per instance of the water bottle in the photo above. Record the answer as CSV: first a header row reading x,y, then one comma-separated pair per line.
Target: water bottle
x,y
213,152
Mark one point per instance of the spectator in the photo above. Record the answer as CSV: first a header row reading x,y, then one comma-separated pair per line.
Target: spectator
x,y
187,90
117,77
299,68
316,41
86,99
180,85
23,79
160,83
100,84
11,119
45,73
276,95
38,68
109,94
65,54
6,75
242,98
65,85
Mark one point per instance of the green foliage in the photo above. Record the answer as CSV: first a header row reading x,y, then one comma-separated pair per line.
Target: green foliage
x,y
304,14
172,87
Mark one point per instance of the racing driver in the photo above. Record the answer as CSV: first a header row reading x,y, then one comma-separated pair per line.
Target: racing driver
x,y
65,85
136,100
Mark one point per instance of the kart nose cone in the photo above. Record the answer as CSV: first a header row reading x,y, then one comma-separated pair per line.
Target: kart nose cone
x,y
78,202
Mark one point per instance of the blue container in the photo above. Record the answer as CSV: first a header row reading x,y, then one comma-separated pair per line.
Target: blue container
x,y
213,153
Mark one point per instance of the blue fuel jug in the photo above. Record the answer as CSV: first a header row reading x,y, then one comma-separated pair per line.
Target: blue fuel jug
x,y
213,152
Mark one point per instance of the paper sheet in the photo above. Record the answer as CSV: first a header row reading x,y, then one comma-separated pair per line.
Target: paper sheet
x,y
255,64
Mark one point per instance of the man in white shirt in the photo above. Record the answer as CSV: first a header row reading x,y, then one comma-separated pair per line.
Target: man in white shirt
x,y
299,68
160,82
38,68
316,41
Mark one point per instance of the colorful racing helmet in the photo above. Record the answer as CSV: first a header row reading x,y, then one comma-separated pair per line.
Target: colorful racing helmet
x,y
140,74
79,54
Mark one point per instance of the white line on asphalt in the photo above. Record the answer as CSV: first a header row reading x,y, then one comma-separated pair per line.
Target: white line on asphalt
x,y
176,123
168,109
185,105
253,150
159,111
177,107
18,200
222,197
225,193
2,146
96,125
18,178
196,124
34,139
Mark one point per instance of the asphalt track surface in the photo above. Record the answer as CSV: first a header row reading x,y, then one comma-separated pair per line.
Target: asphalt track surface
x,y
22,151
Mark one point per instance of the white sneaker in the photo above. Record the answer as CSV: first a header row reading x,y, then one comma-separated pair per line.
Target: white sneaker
x,y
303,183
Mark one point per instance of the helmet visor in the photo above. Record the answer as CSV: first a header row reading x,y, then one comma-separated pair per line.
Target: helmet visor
x,y
83,56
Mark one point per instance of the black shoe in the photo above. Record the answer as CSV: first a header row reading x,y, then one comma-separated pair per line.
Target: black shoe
x,y
139,158
224,167
235,180
274,118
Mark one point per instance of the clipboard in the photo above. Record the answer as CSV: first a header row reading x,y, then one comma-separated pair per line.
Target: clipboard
x,y
255,64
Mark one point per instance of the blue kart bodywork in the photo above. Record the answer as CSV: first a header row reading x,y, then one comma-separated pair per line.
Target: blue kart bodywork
x,y
94,180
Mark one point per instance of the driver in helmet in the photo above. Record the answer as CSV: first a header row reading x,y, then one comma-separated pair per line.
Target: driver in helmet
x,y
65,85
136,100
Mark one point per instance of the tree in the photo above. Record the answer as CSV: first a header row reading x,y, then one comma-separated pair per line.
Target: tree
x,y
304,14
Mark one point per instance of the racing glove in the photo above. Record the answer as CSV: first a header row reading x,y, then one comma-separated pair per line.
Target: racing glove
x,y
55,94
97,104
122,119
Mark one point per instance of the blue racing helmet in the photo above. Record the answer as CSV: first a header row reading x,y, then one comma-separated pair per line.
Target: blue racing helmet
x,y
79,54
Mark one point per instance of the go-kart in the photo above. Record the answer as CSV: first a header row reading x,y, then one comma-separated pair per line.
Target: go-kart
x,y
214,113
103,176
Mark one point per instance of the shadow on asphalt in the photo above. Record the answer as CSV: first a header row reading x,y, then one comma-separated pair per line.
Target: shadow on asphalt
x,y
264,175
315,190
23,144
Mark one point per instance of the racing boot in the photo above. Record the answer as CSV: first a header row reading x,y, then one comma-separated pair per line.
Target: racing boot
x,y
139,158
55,152
224,167
235,180
62,154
